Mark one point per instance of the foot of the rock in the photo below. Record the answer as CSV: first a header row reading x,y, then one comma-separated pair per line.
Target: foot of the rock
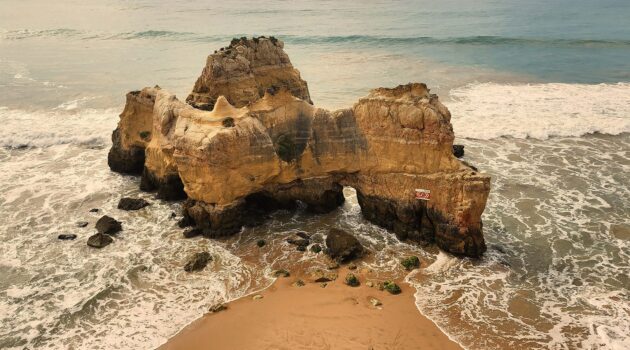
x,y
169,187
120,160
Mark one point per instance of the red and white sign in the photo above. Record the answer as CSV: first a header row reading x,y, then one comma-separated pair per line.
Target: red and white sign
x,y
423,194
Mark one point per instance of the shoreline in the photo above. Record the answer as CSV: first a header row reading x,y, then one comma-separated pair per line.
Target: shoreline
x,y
314,316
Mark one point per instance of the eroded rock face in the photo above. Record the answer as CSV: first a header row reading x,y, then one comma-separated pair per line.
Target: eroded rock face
x,y
239,161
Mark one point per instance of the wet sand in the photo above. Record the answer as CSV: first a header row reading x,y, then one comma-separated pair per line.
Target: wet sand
x,y
314,317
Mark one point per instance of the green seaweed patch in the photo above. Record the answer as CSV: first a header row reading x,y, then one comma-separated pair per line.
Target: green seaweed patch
x,y
285,148
391,287
145,135
410,263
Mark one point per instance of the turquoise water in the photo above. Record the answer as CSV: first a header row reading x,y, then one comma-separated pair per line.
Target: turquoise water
x,y
539,92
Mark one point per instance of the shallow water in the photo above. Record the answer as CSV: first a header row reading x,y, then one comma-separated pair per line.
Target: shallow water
x,y
540,96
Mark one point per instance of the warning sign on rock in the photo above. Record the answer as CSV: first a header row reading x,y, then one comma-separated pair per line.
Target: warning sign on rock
x,y
423,194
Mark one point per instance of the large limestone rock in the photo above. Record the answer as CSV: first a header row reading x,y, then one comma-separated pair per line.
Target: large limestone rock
x,y
266,150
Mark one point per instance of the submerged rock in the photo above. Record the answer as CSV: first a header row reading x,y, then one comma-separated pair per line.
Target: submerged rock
x,y
394,146
82,224
281,273
99,240
67,236
126,203
108,225
316,248
261,243
218,308
342,246
197,262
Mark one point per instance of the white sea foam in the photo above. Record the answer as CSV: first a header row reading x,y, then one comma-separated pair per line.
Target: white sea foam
x,y
64,125
490,110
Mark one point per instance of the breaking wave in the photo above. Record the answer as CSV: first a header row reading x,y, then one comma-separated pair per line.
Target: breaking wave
x,y
491,110
66,124
317,39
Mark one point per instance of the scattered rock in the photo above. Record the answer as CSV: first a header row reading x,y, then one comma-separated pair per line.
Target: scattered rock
x,y
299,283
316,248
343,246
299,242
218,307
197,261
257,297
67,236
319,276
99,240
323,285
281,273
303,235
185,222
375,302
369,284
107,225
352,267
192,232
126,203
261,243
173,215
410,263
391,287
301,248
82,223
458,151
352,280
333,266
94,210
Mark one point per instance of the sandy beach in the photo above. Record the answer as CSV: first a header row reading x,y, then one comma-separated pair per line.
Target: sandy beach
x,y
336,316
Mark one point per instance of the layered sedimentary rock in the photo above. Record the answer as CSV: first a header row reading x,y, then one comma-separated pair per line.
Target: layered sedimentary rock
x,y
263,146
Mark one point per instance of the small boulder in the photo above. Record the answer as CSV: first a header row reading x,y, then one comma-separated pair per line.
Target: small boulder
x,y
217,307
320,276
391,287
299,283
281,273
107,225
298,242
197,261
375,302
343,246
257,297
303,235
352,267
410,263
193,232
94,210
185,222
67,236
261,243
126,203
352,280
458,151
82,223
99,240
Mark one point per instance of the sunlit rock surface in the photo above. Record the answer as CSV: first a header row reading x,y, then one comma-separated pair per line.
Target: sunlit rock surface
x,y
263,146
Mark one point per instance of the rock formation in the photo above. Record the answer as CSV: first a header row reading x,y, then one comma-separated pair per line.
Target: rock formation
x,y
263,146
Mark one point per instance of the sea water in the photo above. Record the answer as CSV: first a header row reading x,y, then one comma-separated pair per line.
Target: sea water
x,y
540,96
